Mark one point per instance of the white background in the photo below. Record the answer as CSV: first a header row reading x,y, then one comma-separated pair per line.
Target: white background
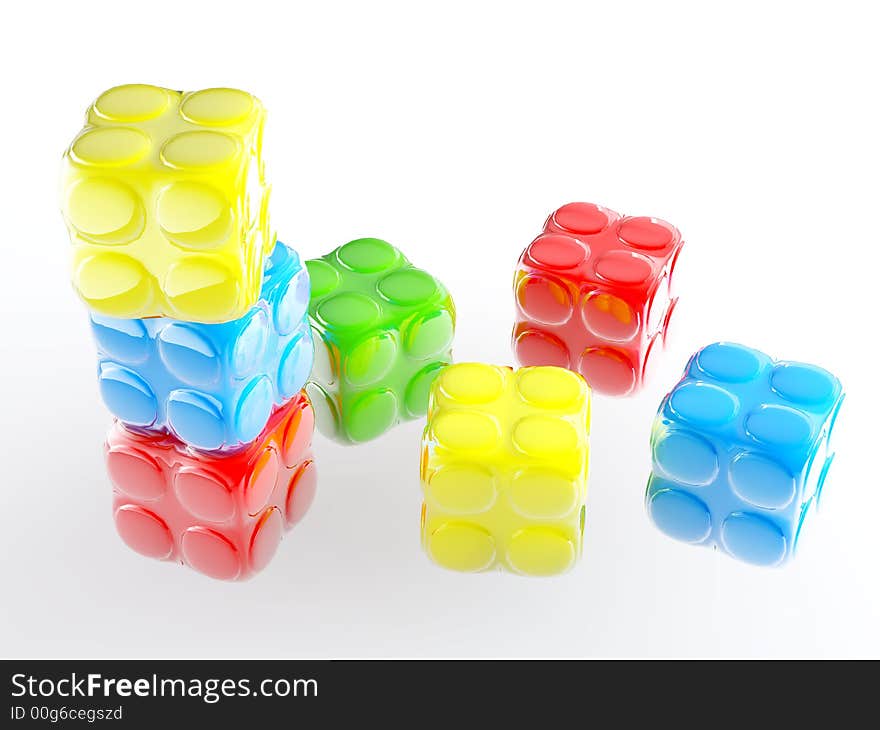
x,y
452,129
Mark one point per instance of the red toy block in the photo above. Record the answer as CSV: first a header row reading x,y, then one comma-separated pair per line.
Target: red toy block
x,y
223,515
594,295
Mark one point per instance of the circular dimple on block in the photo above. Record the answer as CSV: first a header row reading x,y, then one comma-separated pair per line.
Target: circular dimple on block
x,y
466,431
291,305
217,107
371,415
188,355
540,551
266,539
196,419
624,267
132,103
461,546
194,215
462,489
547,387
542,495
322,277
297,435
544,436
113,279
261,481
135,473
680,515
761,481
778,426
348,310
253,409
729,362
250,345
294,365
367,255
703,404
609,317
198,150
418,390
301,492
533,347
201,289
127,395
408,286
753,539
143,532
648,234
801,383
203,495
543,299
326,414
210,553
122,339
370,360
429,336
686,457
607,371
472,383
110,147
557,251
105,211
584,218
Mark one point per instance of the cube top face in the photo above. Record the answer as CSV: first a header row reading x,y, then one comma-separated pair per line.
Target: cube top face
x,y
594,294
382,330
223,517
504,468
213,386
166,201
741,448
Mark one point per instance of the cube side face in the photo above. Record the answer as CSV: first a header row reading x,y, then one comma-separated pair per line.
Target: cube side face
x,y
211,385
223,517
382,329
165,198
505,460
741,448
594,294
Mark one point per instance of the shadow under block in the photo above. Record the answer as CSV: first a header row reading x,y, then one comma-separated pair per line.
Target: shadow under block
x,y
165,197
222,515
741,448
382,330
504,466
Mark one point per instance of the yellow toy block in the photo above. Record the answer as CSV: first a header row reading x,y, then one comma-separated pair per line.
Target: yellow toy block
x,y
505,459
165,197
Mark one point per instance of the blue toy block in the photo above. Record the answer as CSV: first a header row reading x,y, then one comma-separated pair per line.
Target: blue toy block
x,y
741,448
213,386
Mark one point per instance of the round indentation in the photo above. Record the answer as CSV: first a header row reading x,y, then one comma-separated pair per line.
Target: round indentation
x,y
295,364
348,310
549,387
418,390
253,409
729,362
132,103
703,404
266,539
624,267
201,289
429,336
323,278
114,282
143,532
127,395
649,234
607,371
188,354
540,551
686,458
761,481
217,107
210,553
371,415
543,299
301,492
680,515
326,412
753,539
204,495
297,434
408,286
801,383
557,251
291,305
533,347
583,218
462,488
194,215
367,255
250,345
472,383
609,317
198,150
778,426
370,360
261,481
110,146
461,546
541,494
196,418
105,211
125,340
135,473
466,431
544,436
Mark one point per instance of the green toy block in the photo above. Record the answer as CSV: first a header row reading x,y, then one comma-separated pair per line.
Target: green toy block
x,y
386,329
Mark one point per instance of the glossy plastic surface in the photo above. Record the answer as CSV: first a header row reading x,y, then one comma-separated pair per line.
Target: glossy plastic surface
x,y
212,385
224,516
741,448
594,294
382,330
166,200
505,459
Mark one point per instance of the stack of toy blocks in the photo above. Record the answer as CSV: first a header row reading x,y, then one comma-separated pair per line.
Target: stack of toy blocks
x,y
201,324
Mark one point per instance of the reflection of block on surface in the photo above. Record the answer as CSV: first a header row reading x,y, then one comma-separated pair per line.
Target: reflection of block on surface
x,y
223,515
211,385
382,329
741,448
505,458
165,197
